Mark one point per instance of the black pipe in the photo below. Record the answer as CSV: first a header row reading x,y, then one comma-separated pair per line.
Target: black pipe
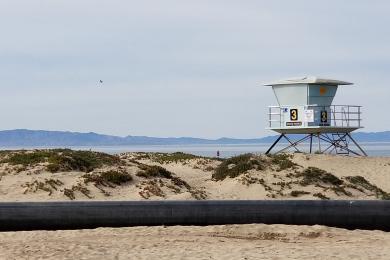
x,y
82,215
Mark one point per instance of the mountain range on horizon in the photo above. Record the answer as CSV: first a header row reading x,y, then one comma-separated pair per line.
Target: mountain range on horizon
x,y
31,138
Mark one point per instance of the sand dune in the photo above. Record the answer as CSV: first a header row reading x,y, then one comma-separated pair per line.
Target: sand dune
x,y
183,177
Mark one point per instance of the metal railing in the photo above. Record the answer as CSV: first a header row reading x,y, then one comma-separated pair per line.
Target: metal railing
x,y
336,116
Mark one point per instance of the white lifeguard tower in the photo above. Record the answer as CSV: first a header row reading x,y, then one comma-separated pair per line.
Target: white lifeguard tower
x,y
305,108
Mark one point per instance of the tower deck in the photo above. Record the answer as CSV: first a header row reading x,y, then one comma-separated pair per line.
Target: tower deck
x,y
314,130
314,119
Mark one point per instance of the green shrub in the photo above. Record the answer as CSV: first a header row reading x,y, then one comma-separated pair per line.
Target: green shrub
x,y
53,167
27,158
116,177
313,175
141,156
179,182
283,161
237,165
321,196
297,193
362,182
149,171
154,171
340,189
108,178
86,161
62,159
163,158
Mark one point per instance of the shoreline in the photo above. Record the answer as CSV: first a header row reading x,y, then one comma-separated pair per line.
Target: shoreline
x,y
374,149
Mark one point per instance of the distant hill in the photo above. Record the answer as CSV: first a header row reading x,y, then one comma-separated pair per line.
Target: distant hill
x,y
26,138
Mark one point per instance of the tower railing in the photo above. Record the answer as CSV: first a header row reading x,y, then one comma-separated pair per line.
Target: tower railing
x,y
336,116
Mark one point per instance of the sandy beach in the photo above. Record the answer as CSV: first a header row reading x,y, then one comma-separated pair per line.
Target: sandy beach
x,y
63,175
212,242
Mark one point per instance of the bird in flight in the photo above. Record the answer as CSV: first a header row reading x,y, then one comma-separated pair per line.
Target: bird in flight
x,y
101,81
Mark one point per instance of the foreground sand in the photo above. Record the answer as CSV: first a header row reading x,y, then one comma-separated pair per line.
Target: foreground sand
x,y
255,241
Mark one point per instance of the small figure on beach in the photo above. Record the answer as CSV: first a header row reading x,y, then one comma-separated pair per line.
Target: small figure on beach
x,y
218,153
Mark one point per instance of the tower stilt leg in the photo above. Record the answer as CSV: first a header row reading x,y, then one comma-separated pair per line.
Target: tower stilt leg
x,y
319,143
311,142
273,145
357,145
294,144
338,145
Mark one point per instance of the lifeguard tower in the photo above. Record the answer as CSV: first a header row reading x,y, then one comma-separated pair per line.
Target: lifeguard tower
x,y
305,108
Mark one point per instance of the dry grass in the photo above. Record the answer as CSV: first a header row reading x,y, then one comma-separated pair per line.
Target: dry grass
x,y
298,193
360,182
320,196
70,193
154,186
49,185
282,161
151,188
164,158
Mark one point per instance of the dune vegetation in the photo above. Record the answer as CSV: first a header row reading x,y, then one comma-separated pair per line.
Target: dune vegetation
x,y
63,174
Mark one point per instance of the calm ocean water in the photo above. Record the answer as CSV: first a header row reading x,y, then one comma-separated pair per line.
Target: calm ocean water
x,y
372,149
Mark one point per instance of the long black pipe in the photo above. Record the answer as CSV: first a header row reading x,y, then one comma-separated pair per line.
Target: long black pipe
x,y
77,215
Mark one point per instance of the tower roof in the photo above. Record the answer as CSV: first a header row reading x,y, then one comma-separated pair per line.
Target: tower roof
x,y
308,80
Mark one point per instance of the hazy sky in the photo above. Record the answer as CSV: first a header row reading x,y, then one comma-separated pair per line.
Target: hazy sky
x,y
183,68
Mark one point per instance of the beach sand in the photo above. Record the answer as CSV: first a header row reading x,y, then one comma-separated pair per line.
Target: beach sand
x,y
189,179
256,241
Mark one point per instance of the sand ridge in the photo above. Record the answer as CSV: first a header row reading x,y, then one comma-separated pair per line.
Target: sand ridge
x,y
186,177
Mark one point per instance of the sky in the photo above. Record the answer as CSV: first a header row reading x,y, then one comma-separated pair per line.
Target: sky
x,y
184,67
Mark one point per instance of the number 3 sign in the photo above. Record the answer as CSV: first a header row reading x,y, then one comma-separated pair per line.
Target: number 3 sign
x,y
294,114
324,116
